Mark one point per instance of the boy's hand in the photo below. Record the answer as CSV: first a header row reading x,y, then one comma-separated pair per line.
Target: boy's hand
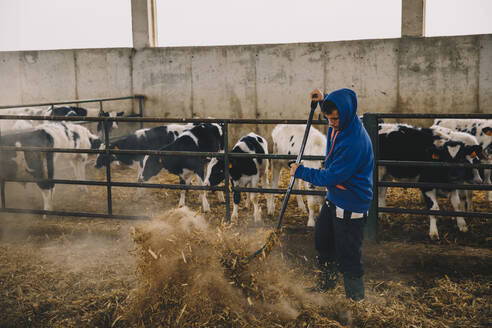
x,y
316,95
293,168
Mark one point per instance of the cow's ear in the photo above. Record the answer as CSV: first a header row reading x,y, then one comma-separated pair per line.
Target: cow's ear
x,y
487,131
476,151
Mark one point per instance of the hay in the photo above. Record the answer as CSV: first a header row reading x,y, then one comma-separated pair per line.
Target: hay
x,y
198,277
189,271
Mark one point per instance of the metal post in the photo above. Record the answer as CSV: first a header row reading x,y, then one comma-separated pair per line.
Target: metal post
x,y
2,191
108,162
140,110
2,183
226,173
371,228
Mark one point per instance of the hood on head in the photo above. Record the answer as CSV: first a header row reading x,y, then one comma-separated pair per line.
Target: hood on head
x,y
346,102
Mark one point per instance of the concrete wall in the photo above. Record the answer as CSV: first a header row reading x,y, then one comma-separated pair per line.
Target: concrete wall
x,y
407,75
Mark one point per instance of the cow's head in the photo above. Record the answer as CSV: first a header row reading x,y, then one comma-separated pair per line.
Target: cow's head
x,y
112,125
153,164
96,142
101,158
456,152
214,173
487,146
68,111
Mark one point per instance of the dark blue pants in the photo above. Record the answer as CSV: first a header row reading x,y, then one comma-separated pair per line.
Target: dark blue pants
x,y
339,240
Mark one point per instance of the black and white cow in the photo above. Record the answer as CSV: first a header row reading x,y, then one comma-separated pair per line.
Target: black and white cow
x,y
480,129
67,111
16,125
143,139
243,171
407,143
41,165
203,137
470,175
287,139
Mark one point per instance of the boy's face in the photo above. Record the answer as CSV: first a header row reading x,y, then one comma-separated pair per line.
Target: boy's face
x,y
333,118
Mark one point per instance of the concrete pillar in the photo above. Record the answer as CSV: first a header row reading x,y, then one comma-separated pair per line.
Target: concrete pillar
x,y
413,18
144,24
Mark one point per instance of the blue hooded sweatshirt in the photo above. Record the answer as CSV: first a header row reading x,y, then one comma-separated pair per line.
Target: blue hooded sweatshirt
x,y
349,158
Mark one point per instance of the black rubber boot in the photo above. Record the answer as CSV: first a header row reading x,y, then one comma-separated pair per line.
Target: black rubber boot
x,y
327,277
354,287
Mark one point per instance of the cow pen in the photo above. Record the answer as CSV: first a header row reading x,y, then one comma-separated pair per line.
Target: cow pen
x,y
369,119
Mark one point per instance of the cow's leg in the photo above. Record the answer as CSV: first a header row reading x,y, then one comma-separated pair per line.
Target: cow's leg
x,y
311,200
300,201
140,168
487,181
265,181
430,199
186,180
247,201
235,204
203,194
182,197
254,199
458,206
220,196
469,200
275,165
382,190
47,195
80,171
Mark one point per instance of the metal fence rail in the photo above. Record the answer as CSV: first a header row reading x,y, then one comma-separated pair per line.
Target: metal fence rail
x,y
370,122
107,151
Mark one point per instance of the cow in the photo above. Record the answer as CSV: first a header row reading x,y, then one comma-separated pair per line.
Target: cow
x,y
471,175
480,129
408,143
8,125
243,171
204,137
287,139
143,139
41,165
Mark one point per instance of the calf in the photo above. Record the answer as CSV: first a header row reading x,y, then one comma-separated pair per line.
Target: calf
x,y
287,139
9,125
243,171
201,138
480,129
407,143
79,111
143,139
470,175
41,164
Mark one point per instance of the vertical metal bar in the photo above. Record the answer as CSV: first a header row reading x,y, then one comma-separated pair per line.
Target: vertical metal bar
x,y
108,162
140,110
2,192
2,183
371,228
226,172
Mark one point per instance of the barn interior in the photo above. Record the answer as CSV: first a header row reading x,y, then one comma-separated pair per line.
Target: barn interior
x,y
66,271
